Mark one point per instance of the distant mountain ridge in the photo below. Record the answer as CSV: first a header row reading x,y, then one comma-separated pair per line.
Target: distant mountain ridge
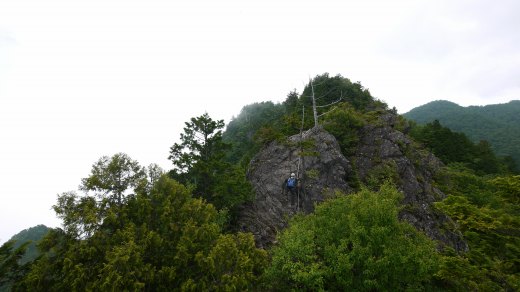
x,y
499,124
32,234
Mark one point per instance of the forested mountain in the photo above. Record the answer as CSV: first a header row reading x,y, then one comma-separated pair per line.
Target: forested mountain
x,y
25,242
499,124
381,204
32,235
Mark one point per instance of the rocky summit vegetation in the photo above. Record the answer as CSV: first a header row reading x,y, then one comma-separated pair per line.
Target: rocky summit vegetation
x,y
382,205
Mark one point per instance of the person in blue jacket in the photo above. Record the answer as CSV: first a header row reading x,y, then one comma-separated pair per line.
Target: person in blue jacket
x,y
291,187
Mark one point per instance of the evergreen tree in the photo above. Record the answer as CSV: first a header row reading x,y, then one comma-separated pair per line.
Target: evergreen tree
x,y
199,155
199,160
499,124
11,269
158,239
453,147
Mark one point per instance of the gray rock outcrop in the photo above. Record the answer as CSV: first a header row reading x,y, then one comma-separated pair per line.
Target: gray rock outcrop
x,y
316,158
382,152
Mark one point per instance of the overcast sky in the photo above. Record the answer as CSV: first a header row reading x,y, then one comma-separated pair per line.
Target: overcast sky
x,y
83,79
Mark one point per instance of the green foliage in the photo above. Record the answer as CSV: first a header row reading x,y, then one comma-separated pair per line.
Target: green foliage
x,y
344,124
306,144
353,243
17,254
381,173
233,263
328,89
241,130
508,188
312,173
267,134
261,123
201,141
167,240
11,269
487,213
31,235
200,161
445,144
307,148
402,124
232,189
137,229
498,124
110,177
452,147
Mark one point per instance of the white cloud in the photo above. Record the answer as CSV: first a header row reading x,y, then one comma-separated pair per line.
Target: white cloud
x,y
464,51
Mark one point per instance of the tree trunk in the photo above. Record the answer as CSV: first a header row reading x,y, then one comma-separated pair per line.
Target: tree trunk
x,y
314,106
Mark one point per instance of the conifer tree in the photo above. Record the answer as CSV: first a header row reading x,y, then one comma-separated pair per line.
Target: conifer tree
x,y
200,161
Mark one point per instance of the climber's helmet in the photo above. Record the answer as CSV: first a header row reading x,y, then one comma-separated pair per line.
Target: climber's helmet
x,y
293,175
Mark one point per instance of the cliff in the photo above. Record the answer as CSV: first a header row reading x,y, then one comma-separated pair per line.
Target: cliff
x,y
382,153
315,157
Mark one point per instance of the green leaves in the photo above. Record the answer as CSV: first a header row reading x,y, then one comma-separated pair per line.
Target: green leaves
x,y
159,239
354,242
487,213
200,162
453,147
508,187
112,176
81,215
499,124
200,142
344,123
10,268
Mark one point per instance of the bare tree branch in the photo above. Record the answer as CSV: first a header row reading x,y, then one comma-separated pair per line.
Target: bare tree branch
x,y
327,93
328,111
334,102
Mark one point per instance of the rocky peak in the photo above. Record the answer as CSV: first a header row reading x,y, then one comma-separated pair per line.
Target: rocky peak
x,y
382,153
315,157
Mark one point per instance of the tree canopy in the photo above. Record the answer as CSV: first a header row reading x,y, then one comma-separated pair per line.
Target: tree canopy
x,y
453,147
157,239
135,228
486,210
200,161
499,124
353,243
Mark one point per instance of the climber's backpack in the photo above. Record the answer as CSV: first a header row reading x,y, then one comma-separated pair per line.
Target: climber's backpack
x,y
291,182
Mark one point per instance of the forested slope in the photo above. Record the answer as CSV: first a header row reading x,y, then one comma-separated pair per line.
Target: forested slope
x,y
499,124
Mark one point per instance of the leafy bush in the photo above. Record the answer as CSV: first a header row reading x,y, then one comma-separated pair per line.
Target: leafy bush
x,y
486,212
353,243
344,124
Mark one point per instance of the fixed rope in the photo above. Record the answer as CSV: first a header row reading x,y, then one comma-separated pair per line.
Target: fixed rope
x,y
298,186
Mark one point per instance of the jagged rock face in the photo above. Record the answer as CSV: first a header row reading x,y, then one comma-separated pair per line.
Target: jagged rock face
x,y
383,148
321,169
382,151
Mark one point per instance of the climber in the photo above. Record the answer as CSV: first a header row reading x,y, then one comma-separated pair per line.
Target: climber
x,y
291,186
